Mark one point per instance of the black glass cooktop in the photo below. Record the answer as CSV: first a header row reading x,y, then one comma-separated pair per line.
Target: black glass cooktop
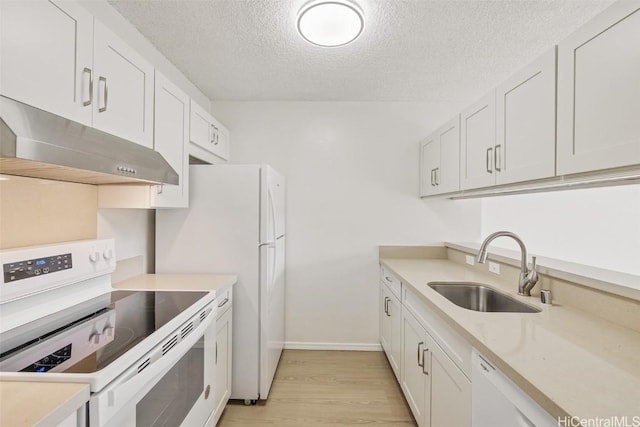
x,y
132,315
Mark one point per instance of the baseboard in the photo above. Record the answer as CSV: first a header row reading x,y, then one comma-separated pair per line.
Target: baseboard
x,y
293,345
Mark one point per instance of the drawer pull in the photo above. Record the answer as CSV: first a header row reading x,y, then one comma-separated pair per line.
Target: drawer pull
x,y
388,279
105,96
88,71
224,301
424,361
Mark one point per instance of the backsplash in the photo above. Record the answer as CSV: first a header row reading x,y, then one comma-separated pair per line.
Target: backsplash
x,y
38,211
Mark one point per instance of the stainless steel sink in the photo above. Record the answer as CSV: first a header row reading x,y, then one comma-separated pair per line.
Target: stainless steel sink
x,y
477,297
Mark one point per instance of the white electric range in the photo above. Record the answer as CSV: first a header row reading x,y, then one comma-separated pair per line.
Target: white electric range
x,y
148,356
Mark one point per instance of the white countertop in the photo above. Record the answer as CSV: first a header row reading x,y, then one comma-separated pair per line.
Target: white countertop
x,y
173,282
39,404
570,362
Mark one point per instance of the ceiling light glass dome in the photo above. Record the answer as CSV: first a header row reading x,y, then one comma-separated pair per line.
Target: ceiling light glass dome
x,y
330,23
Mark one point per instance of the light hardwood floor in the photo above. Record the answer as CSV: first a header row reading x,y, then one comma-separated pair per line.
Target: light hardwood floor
x,y
328,388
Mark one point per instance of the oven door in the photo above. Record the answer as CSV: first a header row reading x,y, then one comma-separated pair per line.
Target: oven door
x,y
170,386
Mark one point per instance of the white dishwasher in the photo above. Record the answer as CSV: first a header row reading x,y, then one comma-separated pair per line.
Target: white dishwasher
x,y
498,402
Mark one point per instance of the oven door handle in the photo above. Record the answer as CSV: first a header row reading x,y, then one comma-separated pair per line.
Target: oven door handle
x,y
134,384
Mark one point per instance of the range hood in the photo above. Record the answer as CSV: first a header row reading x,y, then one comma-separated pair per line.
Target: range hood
x,y
39,144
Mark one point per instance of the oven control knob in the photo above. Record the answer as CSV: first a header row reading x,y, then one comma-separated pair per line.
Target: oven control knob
x,y
108,331
95,256
107,254
94,338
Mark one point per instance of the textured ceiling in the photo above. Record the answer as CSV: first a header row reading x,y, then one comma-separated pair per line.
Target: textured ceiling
x,y
411,50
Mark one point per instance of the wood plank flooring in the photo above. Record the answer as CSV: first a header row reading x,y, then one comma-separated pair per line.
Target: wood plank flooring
x,y
327,388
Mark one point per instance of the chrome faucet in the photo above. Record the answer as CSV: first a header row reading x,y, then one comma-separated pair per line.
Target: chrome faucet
x,y
528,278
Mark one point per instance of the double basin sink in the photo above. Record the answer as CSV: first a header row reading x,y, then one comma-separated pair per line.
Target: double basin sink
x,y
478,297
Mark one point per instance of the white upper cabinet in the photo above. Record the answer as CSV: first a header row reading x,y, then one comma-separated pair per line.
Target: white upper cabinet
x,y
171,139
46,56
509,135
440,160
525,123
57,57
209,139
599,92
123,89
477,141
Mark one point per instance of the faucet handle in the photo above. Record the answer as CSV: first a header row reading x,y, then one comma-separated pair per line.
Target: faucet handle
x,y
533,263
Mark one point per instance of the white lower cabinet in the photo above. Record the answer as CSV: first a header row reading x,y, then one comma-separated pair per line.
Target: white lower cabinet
x,y
414,379
437,391
431,361
450,391
224,328
391,327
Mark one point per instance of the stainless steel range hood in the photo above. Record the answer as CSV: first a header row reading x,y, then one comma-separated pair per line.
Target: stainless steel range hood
x,y
39,144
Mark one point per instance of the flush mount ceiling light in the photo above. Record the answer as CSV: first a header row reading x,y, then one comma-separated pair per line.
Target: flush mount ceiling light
x,y
330,23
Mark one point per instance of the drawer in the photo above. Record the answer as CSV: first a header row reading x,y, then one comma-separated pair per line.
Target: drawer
x,y
224,299
394,284
454,345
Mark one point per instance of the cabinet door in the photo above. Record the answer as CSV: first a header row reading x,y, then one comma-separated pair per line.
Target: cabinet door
x,y
414,380
440,160
450,392
171,133
123,89
525,123
46,56
477,139
395,355
385,320
222,389
200,126
429,163
220,146
209,138
599,92
447,175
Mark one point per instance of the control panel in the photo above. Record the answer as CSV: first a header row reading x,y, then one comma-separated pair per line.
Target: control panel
x,y
49,362
65,348
34,267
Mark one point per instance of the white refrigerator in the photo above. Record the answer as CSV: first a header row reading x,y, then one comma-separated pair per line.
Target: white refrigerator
x,y
235,224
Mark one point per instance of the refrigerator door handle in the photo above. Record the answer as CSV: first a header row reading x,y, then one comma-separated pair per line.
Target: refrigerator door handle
x,y
272,210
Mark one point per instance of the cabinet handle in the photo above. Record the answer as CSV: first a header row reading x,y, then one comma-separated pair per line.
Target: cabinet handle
x,y
435,174
432,179
386,306
105,93
160,188
88,70
497,160
426,350
224,301
488,159
217,137
420,344
212,134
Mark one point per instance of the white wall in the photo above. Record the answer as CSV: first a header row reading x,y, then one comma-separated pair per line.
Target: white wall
x,y
598,227
134,231
352,184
